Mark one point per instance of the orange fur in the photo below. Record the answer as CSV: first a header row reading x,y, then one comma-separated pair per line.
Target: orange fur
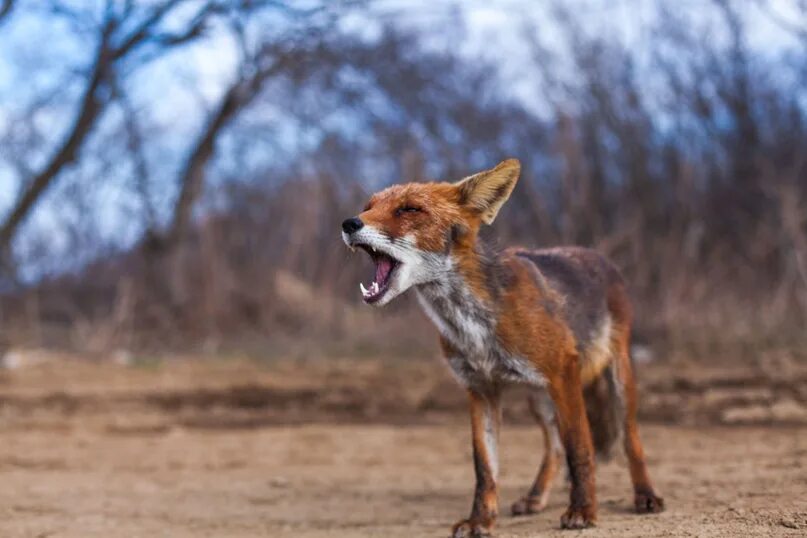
x,y
524,309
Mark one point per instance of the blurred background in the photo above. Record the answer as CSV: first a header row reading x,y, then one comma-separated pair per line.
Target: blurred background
x,y
173,172
183,346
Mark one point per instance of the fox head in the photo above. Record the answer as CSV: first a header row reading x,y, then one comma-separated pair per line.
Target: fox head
x,y
415,232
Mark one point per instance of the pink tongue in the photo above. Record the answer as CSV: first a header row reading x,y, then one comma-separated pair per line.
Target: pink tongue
x,y
382,268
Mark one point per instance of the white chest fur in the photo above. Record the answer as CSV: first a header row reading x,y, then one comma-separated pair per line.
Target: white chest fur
x,y
470,327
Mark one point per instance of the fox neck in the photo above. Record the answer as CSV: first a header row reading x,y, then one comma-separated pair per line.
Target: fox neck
x,y
462,304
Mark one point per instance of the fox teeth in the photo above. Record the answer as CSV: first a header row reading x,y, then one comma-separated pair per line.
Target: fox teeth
x,y
374,289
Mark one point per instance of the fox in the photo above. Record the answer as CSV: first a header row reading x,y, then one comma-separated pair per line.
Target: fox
x,y
555,320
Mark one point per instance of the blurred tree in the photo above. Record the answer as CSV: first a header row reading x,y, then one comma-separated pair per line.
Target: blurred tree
x,y
681,155
294,56
124,31
5,9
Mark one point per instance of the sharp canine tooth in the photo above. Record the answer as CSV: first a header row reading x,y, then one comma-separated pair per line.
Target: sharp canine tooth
x,y
363,291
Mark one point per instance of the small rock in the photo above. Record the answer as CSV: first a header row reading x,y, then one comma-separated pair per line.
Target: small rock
x,y
789,523
23,358
122,357
746,395
746,415
789,410
279,482
642,354
11,360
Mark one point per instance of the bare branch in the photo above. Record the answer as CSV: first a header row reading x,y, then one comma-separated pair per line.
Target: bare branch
x,y
97,95
147,30
89,110
293,58
5,9
142,31
135,144
238,95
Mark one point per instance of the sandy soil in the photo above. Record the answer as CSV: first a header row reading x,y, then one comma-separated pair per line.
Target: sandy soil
x,y
184,450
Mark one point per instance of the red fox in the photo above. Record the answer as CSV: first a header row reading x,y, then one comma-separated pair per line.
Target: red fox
x,y
557,320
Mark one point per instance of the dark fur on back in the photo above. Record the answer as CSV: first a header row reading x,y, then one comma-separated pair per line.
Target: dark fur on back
x,y
582,277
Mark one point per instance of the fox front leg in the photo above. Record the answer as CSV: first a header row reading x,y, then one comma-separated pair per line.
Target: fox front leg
x,y
485,421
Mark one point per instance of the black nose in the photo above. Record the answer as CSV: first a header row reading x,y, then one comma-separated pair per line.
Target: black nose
x,y
351,225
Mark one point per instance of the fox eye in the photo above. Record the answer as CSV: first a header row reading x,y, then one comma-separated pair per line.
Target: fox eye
x,y
407,209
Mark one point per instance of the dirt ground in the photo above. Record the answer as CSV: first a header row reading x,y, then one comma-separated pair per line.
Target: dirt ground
x,y
361,449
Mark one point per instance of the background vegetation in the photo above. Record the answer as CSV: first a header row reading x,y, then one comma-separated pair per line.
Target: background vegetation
x,y
173,173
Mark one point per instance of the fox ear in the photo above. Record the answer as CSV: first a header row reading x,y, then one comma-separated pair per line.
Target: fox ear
x,y
487,191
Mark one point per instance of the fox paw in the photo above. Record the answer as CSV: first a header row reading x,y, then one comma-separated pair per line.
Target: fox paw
x,y
578,518
470,529
528,505
647,502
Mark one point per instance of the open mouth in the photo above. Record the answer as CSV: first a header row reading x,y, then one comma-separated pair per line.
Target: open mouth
x,y
385,266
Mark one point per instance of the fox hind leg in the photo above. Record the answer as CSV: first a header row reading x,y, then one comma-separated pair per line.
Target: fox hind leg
x,y
537,497
646,500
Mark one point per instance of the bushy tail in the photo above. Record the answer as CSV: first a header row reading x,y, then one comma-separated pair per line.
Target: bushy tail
x,y
604,409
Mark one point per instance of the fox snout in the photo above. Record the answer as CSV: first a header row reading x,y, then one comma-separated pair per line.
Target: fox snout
x,y
409,230
351,225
